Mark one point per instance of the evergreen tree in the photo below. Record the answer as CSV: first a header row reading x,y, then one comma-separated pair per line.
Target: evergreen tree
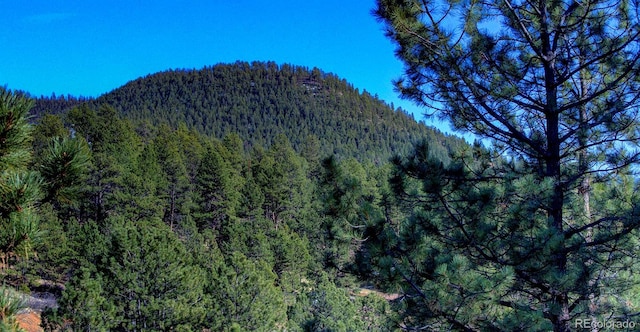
x,y
64,165
20,188
86,301
218,186
10,305
48,127
292,264
113,146
511,241
248,296
257,101
174,172
151,195
281,175
350,205
334,308
141,279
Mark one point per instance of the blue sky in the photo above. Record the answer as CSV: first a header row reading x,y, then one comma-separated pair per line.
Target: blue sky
x,y
92,47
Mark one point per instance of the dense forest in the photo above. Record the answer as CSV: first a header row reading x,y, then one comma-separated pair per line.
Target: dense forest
x,y
143,220
270,197
258,101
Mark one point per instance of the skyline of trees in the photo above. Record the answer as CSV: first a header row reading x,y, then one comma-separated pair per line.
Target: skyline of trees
x,y
260,100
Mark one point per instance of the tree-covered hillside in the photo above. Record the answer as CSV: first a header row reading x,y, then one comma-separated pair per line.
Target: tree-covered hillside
x,y
258,197
230,198
260,100
170,229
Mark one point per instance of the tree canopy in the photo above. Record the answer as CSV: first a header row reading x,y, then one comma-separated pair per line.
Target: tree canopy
x,y
513,239
259,101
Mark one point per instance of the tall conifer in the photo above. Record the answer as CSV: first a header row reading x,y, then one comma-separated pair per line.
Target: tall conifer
x,y
19,187
508,241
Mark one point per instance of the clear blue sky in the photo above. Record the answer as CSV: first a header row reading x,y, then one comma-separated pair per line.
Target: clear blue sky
x,y
92,47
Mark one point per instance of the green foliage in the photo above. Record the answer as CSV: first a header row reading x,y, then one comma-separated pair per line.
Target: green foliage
x,y
218,185
335,309
175,188
351,203
469,243
55,250
64,164
143,280
86,300
10,304
208,208
292,264
19,187
281,175
115,147
248,296
14,131
258,101
151,192
48,127
513,240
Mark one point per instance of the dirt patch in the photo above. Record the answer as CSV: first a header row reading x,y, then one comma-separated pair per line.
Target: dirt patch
x,y
29,321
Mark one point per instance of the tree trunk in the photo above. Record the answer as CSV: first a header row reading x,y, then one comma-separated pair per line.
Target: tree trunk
x,y
560,317
584,189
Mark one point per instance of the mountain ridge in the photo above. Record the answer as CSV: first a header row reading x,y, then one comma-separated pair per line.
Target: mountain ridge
x,y
260,100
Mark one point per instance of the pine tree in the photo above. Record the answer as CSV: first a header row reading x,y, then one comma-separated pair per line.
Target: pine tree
x,y
86,300
48,127
513,238
20,188
281,175
138,276
217,187
115,148
333,308
175,174
10,304
350,205
64,164
248,296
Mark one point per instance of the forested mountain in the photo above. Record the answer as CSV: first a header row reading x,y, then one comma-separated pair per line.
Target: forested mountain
x,y
258,197
236,197
151,228
151,216
260,100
